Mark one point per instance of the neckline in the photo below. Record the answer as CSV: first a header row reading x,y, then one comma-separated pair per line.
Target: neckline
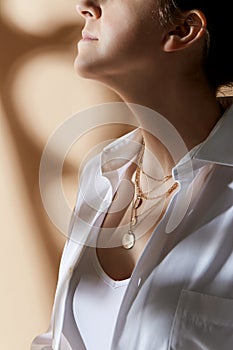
x,y
103,275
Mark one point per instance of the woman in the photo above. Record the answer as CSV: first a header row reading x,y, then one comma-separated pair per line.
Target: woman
x,y
129,284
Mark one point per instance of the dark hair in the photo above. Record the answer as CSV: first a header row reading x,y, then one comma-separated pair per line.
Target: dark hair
x,y
219,59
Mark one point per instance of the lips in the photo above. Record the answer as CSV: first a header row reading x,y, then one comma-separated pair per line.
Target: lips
x,y
88,37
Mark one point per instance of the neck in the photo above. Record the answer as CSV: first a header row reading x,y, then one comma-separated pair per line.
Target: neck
x,y
189,105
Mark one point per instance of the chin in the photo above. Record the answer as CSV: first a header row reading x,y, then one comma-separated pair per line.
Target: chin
x,y
94,71
85,69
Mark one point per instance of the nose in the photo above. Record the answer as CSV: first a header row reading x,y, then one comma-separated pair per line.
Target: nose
x,y
89,8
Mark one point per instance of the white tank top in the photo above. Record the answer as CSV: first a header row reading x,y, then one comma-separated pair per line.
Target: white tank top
x,y
96,303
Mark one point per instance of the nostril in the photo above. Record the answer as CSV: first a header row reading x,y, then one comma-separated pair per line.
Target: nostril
x,y
89,11
86,13
83,11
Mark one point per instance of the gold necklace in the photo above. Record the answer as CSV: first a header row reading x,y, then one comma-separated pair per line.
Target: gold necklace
x,y
144,195
129,239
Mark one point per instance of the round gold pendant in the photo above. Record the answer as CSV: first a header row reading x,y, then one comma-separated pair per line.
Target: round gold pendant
x,y
128,240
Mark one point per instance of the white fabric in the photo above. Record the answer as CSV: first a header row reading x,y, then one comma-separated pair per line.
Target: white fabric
x,y
180,295
99,296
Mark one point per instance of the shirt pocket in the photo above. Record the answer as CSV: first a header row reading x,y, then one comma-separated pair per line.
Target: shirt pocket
x,y
202,322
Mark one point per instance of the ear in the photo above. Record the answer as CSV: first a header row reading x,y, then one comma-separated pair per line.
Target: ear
x,y
190,28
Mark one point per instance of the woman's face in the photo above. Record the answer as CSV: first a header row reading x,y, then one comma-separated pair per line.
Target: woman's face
x,y
119,36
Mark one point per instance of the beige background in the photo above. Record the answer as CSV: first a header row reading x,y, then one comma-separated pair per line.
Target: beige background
x,y
39,90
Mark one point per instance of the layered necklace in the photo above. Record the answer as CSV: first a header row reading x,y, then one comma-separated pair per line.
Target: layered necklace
x,y
129,238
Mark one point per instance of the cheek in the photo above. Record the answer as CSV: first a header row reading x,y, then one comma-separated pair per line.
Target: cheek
x,y
130,41
123,35
131,25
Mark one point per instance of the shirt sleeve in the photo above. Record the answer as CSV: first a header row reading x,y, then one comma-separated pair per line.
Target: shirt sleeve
x,y
42,342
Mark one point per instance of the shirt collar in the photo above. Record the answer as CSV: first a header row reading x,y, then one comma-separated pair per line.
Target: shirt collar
x,y
121,152
218,146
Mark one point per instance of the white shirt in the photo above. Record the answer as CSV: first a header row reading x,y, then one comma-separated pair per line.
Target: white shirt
x,y
94,302
180,294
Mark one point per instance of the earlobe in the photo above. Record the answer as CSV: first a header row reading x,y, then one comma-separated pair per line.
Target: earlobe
x,y
191,28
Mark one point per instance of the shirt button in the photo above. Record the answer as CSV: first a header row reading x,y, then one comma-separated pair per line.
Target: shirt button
x,y
139,281
71,270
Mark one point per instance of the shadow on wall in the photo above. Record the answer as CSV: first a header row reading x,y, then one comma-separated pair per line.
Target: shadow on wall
x,y
38,90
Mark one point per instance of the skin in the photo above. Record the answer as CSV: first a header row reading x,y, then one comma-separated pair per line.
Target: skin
x,y
118,41
154,66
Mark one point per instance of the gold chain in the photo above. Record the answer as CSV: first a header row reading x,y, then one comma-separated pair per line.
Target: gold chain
x,y
128,240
